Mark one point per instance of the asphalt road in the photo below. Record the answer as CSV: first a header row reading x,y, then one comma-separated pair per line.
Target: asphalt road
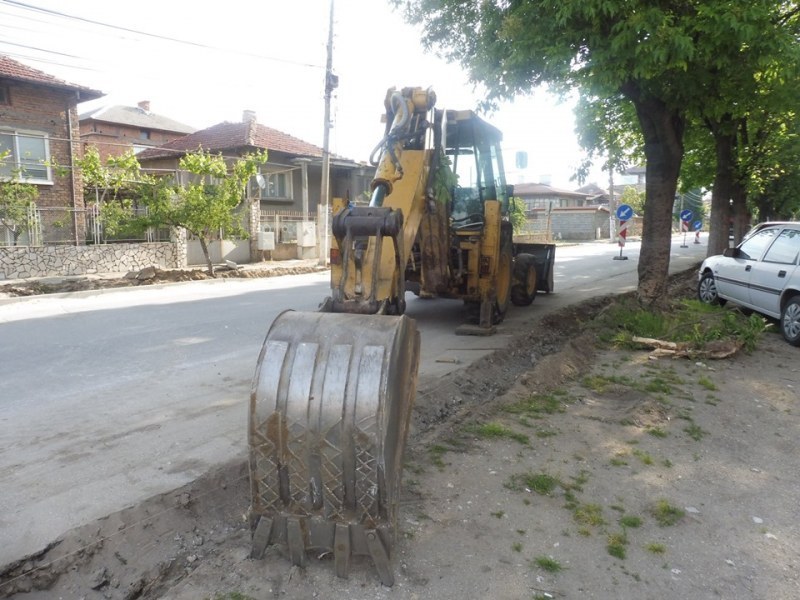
x,y
110,397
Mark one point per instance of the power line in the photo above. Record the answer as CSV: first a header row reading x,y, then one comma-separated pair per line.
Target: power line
x,y
170,39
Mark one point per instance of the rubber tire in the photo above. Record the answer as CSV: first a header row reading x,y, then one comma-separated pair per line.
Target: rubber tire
x,y
707,290
790,321
524,270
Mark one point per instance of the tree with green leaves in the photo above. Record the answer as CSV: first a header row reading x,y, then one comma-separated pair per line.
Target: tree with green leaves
x,y
16,199
516,214
206,205
660,57
115,187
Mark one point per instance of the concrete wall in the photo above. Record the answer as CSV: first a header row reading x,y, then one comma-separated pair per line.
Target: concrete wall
x,y
24,262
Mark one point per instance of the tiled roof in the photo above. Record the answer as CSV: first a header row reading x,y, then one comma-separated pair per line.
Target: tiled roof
x,y
136,117
11,69
234,136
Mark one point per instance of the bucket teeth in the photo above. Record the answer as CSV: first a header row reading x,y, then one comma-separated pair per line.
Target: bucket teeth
x,y
329,415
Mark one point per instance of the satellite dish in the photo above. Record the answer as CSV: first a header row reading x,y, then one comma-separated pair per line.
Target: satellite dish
x,y
262,183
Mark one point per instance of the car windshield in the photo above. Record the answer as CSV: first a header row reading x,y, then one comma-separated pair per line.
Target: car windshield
x,y
753,247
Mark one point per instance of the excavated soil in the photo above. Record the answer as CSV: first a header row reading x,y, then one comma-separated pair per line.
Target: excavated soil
x,y
555,468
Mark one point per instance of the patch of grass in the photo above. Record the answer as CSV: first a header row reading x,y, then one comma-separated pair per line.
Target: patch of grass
x,y
541,483
657,385
516,546
643,456
665,514
656,548
233,596
547,563
695,432
521,531
667,463
537,405
615,544
498,514
600,384
707,383
617,462
437,452
657,432
589,514
631,521
494,430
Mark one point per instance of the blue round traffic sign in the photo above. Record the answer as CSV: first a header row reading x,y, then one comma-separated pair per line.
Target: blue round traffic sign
x,y
698,225
624,212
686,215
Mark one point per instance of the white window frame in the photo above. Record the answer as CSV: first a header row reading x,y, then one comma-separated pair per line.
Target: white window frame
x,y
285,172
14,158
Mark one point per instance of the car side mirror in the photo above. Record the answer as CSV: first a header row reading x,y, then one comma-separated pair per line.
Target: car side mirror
x,y
731,252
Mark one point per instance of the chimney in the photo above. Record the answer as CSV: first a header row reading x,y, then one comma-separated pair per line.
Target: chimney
x,y
249,116
145,105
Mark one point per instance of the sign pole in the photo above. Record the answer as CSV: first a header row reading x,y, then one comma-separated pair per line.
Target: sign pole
x,y
624,213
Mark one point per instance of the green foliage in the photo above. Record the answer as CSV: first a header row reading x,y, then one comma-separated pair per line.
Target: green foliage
x,y
633,198
495,430
665,514
541,483
206,205
516,213
547,563
16,198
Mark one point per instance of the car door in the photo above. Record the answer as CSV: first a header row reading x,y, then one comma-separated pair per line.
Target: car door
x,y
769,275
732,274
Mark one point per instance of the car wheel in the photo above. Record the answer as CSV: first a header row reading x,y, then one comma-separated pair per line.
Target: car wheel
x,y
790,321
707,290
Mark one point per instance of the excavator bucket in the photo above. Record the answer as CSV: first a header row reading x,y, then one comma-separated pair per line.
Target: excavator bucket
x,y
330,408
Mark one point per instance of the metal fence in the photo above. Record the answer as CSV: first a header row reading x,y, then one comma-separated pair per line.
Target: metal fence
x,y
60,226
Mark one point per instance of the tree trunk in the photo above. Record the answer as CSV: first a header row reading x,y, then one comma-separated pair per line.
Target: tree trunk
x,y
741,216
207,254
722,191
663,130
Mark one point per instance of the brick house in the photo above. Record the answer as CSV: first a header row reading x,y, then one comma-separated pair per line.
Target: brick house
x,y
114,130
291,179
39,126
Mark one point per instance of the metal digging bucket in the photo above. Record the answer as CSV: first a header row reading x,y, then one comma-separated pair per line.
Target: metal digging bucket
x,y
329,415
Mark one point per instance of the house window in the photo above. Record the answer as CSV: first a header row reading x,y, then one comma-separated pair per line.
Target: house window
x,y
4,97
28,154
277,186
144,134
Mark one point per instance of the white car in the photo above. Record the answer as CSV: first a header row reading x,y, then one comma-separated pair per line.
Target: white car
x,y
760,274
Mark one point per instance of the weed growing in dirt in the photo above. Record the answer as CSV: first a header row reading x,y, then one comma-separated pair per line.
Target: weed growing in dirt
x,y
589,514
707,383
233,596
541,483
499,514
665,514
695,432
547,563
495,430
656,548
631,521
537,405
516,546
615,545
643,456
657,432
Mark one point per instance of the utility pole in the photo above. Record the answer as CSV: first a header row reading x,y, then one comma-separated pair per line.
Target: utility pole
x,y
331,83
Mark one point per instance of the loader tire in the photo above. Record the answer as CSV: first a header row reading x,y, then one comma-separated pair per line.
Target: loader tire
x,y
523,292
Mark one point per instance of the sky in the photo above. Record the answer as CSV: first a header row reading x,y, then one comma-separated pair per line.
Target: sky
x,y
201,63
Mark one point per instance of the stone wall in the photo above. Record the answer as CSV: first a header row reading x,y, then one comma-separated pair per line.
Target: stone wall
x,y
44,261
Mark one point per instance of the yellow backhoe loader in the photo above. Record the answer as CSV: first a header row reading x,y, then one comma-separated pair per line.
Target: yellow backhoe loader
x,y
333,390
